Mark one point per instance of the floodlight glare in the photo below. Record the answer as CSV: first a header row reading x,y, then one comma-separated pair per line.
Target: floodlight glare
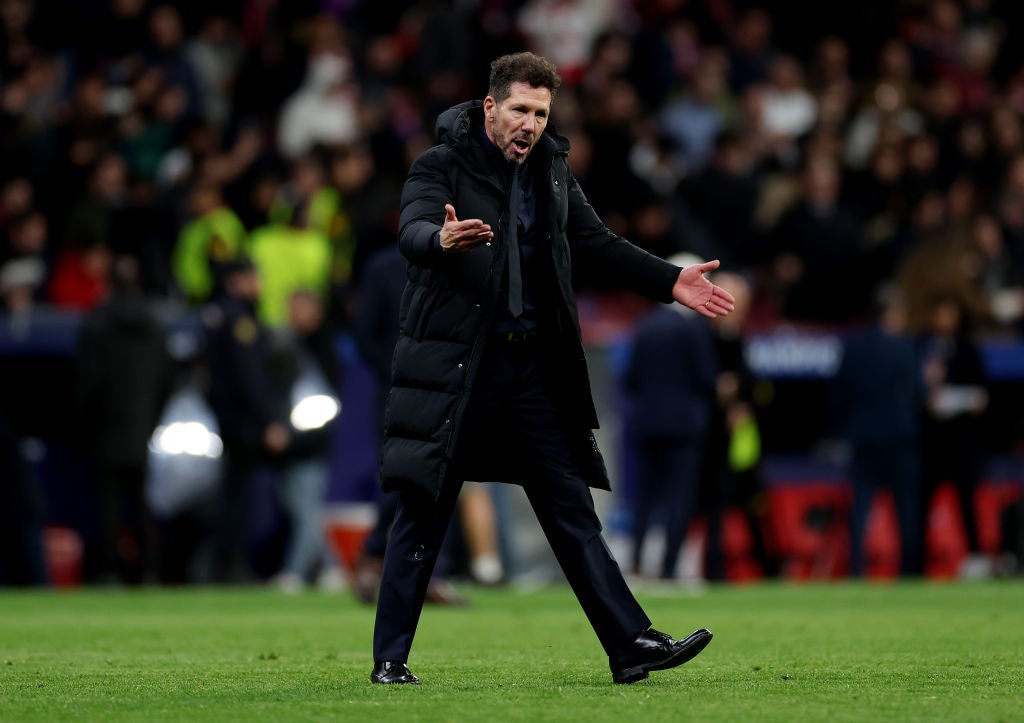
x,y
314,411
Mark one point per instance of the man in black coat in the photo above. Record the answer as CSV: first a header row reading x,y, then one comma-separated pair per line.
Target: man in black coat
x,y
124,376
489,378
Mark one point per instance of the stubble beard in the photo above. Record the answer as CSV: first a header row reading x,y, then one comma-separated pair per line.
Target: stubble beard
x,y
505,142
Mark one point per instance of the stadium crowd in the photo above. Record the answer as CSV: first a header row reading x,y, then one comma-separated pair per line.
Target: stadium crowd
x,y
830,156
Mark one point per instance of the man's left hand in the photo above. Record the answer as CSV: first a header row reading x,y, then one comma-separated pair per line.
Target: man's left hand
x,y
693,290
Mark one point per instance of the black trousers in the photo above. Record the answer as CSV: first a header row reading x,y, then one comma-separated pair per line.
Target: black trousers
x,y
511,387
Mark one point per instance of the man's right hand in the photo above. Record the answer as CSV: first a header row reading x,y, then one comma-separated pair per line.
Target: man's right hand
x,y
461,236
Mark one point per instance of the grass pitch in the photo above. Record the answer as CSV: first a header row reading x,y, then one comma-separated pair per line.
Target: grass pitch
x,y
845,651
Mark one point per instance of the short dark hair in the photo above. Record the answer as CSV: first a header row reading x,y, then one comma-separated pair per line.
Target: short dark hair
x,y
521,68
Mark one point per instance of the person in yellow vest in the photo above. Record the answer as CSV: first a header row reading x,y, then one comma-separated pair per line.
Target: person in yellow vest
x,y
309,200
213,236
289,258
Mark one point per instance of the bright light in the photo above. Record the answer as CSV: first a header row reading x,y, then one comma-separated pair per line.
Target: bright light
x,y
192,438
314,411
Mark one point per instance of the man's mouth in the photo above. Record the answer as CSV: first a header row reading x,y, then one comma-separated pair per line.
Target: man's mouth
x,y
520,145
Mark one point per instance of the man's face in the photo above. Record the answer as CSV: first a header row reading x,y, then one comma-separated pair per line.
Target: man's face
x,y
515,124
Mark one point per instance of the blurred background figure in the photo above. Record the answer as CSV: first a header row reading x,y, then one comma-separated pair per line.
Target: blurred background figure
x,y
957,398
307,364
818,262
252,410
22,516
212,234
291,254
731,476
670,381
878,396
81,274
124,377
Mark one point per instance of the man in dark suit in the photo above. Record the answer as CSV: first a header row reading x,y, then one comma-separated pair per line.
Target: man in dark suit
x,y
670,379
878,396
489,380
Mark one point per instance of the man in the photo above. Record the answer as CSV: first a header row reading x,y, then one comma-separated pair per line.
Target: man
x,y
489,376
670,381
251,408
878,395
124,376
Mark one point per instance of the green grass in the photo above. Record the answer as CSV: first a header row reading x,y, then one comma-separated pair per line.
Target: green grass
x,y
834,652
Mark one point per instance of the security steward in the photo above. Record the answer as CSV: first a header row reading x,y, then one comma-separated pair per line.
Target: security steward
x,y
250,406
489,376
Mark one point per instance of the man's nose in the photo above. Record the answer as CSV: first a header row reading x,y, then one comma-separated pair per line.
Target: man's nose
x,y
529,123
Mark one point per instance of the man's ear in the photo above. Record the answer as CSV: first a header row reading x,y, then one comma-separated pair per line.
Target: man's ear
x,y
489,105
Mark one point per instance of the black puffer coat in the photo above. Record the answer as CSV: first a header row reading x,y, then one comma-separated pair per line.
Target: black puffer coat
x,y
449,301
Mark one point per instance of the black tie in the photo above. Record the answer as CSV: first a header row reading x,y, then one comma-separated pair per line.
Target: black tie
x,y
515,280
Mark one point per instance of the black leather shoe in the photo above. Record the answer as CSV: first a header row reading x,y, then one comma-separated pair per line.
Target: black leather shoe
x,y
392,671
655,651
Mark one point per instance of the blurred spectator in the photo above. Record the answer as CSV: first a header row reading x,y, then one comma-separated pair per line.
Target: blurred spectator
x,y
888,105
81,278
124,378
20,282
81,275
323,111
752,50
996,272
151,128
212,236
789,109
724,194
23,261
818,262
878,397
17,198
309,201
670,383
958,396
290,256
367,219
215,55
307,364
732,464
166,54
564,31
697,117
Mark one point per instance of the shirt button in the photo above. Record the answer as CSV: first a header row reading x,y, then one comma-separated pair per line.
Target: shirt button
x,y
460,365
